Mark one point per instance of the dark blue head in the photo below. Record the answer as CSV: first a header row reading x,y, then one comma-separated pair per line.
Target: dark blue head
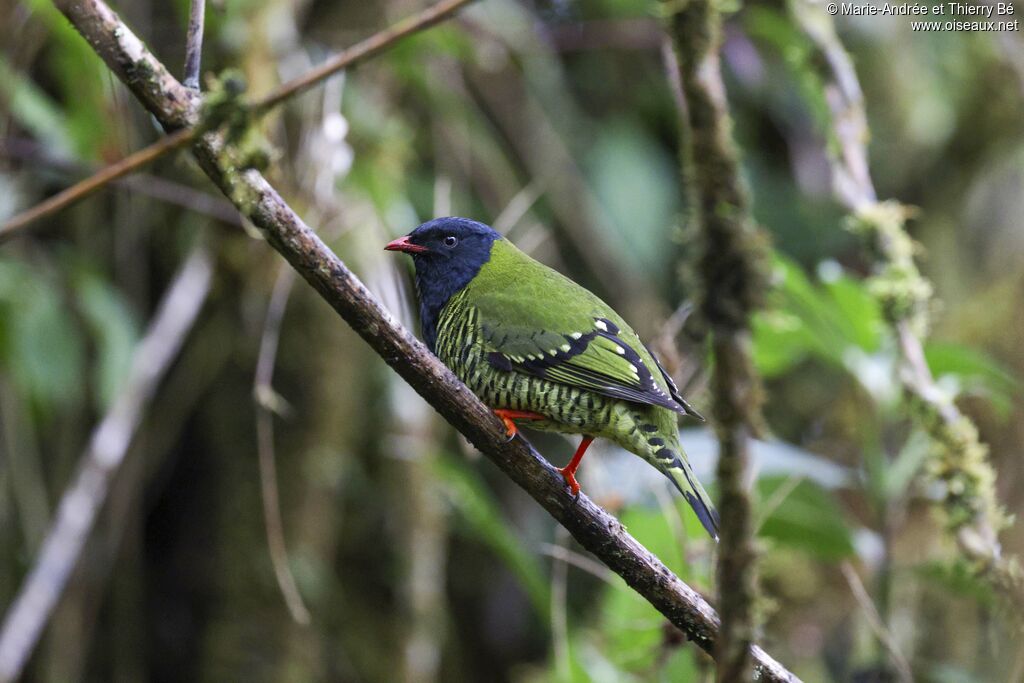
x,y
447,253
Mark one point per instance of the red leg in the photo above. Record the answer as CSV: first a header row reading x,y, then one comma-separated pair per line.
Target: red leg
x,y
508,415
569,471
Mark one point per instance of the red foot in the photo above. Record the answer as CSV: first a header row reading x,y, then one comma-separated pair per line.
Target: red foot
x,y
570,480
569,471
508,415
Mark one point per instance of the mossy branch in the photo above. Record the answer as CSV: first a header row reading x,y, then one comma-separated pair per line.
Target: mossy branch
x,y
730,285
126,54
593,528
959,460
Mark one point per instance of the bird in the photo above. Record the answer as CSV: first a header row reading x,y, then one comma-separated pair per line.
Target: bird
x,y
539,349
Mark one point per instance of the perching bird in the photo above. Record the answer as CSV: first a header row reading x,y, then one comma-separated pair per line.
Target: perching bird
x,y
538,348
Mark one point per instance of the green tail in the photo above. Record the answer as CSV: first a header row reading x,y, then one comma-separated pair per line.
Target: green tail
x,y
680,473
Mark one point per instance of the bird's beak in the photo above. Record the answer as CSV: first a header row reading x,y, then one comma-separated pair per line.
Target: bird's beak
x,y
403,244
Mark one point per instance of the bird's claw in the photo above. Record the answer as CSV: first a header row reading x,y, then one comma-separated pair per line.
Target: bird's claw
x,y
570,481
510,429
507,417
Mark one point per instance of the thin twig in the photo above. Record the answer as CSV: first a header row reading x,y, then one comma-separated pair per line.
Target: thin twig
x,y
267,404
129,45
194,44
83,189
778,497
590,525
876,623
517,207
146,184
578,560
82,500
362,51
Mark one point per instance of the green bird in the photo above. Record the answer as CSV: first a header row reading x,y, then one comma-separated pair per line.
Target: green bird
x,y
537,347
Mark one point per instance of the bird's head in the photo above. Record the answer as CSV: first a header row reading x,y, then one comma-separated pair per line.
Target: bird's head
x,y
447,254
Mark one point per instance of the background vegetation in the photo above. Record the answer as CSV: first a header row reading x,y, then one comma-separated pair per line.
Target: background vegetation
x,y
556,122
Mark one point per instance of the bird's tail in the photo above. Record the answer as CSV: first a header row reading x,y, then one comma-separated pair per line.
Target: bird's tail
x,y
678,470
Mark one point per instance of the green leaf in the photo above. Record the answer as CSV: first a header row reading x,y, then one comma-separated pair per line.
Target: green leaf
x,y
820,320
81,83
856,312
33,109
115,330
41,347
898,475
808,519
957,578
635,181
781,340
631,632
974,372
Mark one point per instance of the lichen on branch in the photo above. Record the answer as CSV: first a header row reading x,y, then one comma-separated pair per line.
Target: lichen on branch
x,y
730,284
896,283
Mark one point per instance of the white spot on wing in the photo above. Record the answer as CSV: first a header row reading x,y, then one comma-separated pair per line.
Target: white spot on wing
x,y
565,349
575,335
599,324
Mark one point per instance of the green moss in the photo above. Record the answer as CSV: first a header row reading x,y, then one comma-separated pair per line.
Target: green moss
x,y
903,293
731,249
959,460
242,145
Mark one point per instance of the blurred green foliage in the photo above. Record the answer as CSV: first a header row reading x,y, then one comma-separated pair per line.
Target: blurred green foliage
x,y
560,114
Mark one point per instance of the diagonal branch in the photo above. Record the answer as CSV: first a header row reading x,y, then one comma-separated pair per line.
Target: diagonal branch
x,y
34,155
370,47
177,111
81,502
98,180
593,528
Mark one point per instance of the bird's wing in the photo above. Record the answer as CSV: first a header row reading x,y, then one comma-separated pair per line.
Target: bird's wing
x,y
556,330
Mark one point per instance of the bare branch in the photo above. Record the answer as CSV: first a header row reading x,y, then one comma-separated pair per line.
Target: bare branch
x,y
35,155
362,51
83,500
593,528
128,57
560,552
194,44
83,189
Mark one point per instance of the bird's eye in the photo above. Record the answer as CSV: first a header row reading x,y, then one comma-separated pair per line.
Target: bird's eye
x,y
450,241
